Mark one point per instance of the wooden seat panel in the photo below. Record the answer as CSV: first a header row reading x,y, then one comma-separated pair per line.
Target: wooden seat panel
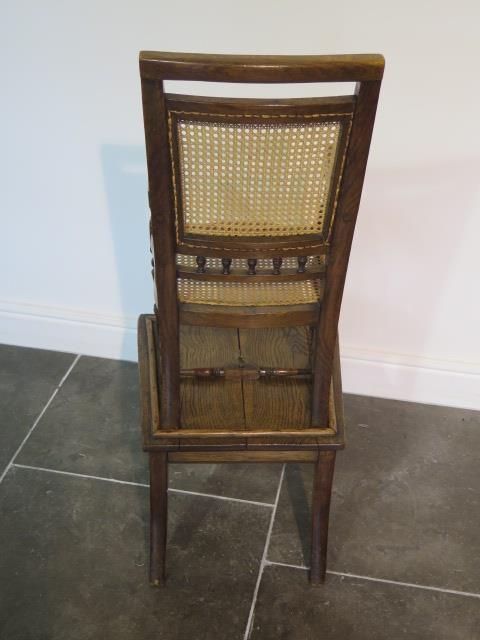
x,y
279,407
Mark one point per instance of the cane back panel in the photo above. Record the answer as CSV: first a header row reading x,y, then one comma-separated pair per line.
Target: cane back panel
x,y
254,176
270,174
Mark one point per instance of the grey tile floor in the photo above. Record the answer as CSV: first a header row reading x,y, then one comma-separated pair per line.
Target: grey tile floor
x,y
404,557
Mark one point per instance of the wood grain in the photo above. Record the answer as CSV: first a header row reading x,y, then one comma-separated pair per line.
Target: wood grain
x,y
210,403
322,491
252,106
243,456
277,403
163,245
245,317
245,68
148,354
158,516
341,242
228,400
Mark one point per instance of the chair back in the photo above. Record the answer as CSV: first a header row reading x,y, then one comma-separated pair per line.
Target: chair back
x,y
257,191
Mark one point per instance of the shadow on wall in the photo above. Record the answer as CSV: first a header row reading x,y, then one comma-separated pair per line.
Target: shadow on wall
x,y
125,175
414,226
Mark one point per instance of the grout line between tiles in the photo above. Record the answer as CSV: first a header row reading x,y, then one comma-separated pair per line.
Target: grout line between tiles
x,y
39,417
211,495
412,585
249,626
285,564
399,583
140,484
80,475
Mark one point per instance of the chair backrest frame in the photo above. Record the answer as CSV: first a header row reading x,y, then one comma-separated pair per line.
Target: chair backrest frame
x,y
155,68
257,114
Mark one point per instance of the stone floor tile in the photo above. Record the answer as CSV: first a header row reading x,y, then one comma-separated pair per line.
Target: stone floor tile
x,y
74,562
406,500
93,427
28,377
351,609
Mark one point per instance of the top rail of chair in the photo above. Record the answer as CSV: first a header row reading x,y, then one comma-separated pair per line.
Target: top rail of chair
x,y
156,65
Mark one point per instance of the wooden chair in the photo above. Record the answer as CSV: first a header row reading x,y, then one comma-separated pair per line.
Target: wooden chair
x,y
253,208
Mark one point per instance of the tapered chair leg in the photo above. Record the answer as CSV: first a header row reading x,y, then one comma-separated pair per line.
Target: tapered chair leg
x,y
322,491
158,517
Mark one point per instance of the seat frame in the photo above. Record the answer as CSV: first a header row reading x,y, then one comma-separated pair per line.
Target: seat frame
x,y
159,356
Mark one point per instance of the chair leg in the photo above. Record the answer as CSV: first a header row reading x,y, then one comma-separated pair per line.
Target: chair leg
x,y
158,517
322,491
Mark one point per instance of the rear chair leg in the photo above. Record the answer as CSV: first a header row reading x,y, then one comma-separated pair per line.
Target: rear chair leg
x,y
158,517
322,491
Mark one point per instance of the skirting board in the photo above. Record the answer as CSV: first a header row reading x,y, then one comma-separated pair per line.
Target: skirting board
x,y
365,372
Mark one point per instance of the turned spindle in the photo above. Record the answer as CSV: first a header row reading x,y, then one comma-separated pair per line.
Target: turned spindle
x,y
302,264
277,265
226,263
252,266
201,261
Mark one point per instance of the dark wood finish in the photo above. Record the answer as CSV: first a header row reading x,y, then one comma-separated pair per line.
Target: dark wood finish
x,y
201,261
247,317
285,276
157,65
158,516
226,262
337,393
252,106
219,413
322,491
206,402
297,447
277,265
148,356
218,431
280,403
246,393
244,373
163,226
147,379
341,242
242,456
213,444
302,264
252,266
238,248
154,406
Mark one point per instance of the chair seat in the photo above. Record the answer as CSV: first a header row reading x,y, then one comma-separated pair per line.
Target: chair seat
x,y
247,409
246,294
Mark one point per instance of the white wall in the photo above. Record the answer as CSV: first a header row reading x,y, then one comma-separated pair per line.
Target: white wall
x,y
74,247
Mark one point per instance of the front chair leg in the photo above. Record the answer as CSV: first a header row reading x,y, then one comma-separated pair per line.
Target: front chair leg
x,y
322,491
158,517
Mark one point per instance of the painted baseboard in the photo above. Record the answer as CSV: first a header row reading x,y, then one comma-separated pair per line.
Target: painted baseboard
x,y
365,371
70,330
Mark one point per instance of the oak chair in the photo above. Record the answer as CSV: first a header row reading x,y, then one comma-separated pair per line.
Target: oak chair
x,y
253,207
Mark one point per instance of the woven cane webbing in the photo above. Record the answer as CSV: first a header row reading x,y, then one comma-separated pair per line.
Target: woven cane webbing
x,y
256,179
246,294
263,265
